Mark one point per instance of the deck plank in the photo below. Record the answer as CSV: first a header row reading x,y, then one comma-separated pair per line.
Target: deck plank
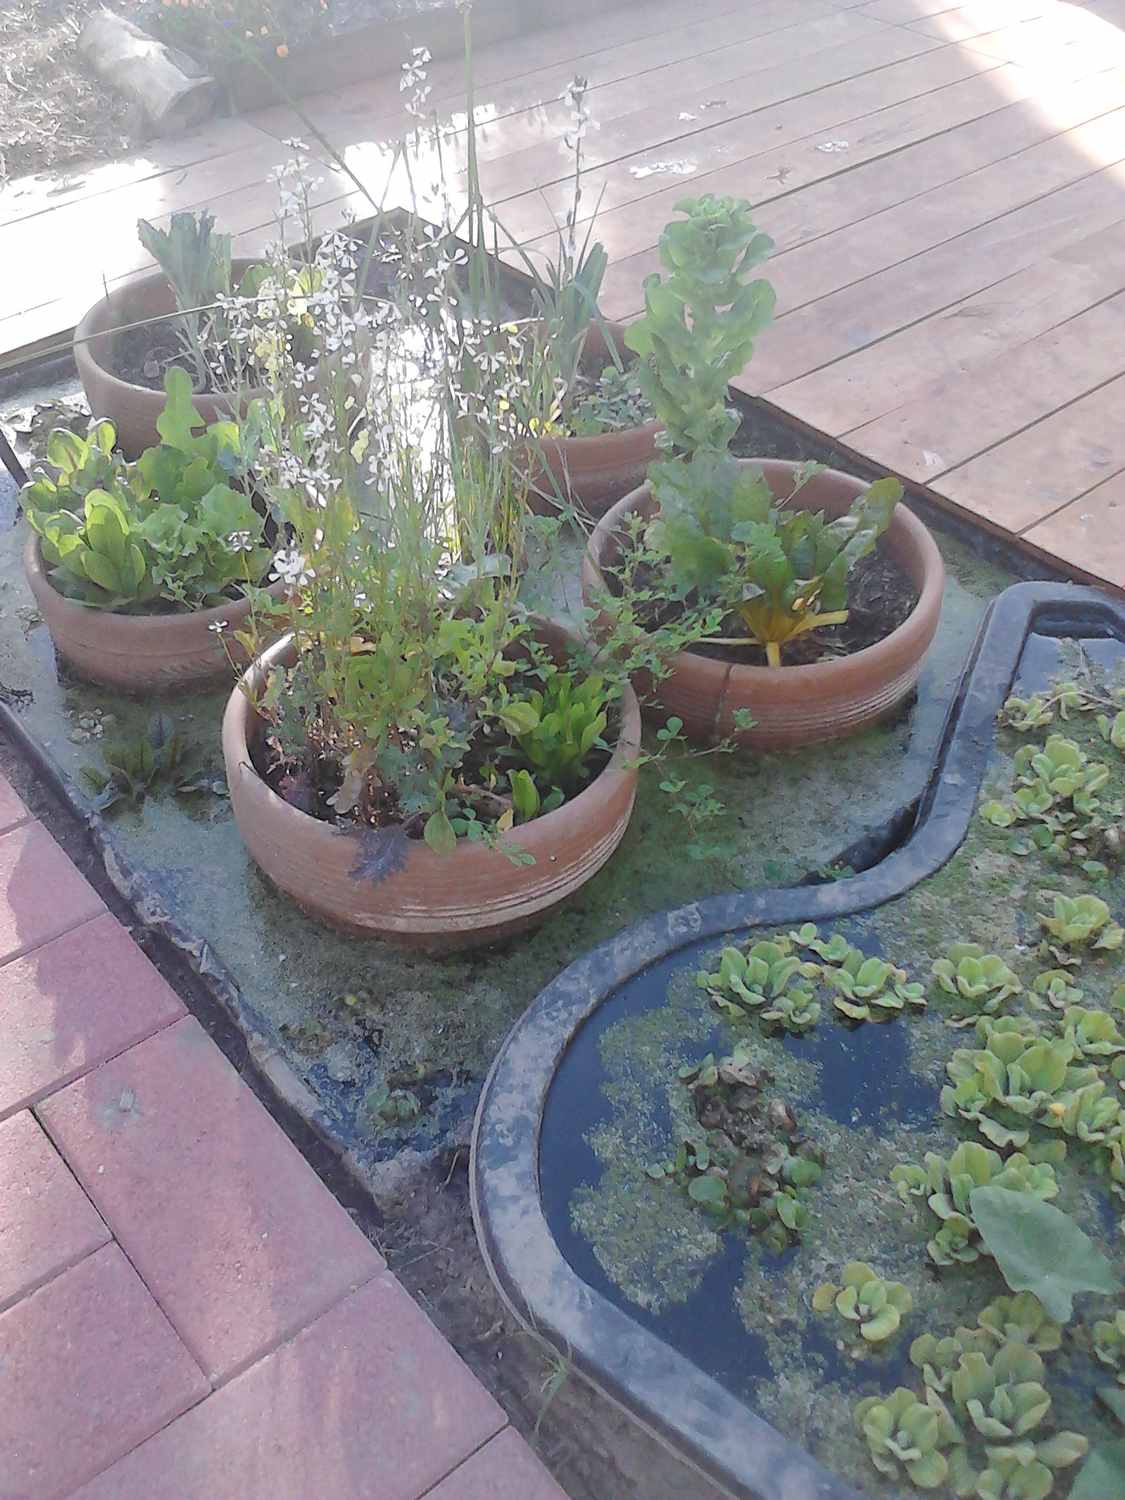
x,y
1033,474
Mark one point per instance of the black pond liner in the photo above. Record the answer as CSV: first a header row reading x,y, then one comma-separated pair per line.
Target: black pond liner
x,y
668,1393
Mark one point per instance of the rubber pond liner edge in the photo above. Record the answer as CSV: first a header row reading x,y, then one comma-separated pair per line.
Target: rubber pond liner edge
x,y
667,1393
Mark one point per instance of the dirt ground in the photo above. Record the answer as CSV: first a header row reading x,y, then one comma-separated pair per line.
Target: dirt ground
x,y
52,110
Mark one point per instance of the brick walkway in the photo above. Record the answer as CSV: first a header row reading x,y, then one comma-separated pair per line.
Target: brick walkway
x,y
186,1313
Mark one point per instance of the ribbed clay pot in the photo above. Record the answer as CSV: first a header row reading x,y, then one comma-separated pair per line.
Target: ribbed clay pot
x,y
137,654
133,409
592,473
439,903
796,705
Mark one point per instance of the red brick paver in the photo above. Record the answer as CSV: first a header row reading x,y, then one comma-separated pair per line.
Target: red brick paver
x,y
238,1338
12,810
368,1403
240,1241
73,1004
47,1223
504,1469
41,893
90,1368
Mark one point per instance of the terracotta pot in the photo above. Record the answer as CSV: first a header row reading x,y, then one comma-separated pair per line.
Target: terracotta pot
x,y
133,409
138,654
797,705
592,473
440,903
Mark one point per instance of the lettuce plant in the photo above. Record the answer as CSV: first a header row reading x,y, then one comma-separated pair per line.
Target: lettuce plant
x,y
169,529
723,537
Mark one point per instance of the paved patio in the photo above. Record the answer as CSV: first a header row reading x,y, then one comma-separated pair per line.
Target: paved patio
x,y
944,184
186,1313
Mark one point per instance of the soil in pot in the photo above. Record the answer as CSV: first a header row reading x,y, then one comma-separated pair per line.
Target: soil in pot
x,y
140,356
881,597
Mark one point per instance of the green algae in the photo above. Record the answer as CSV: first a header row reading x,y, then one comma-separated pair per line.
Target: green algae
x,y
807,1379
786,815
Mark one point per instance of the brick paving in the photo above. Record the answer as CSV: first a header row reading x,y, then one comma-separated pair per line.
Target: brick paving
x,y
186,1313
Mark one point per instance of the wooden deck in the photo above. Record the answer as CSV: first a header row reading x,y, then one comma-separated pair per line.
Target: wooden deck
x,y
946,187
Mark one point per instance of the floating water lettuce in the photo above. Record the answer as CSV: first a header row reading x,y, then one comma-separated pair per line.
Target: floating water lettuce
x,y
864,1298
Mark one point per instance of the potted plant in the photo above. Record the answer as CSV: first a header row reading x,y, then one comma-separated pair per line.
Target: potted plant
x,y
812,597
131,336
139,568
417,759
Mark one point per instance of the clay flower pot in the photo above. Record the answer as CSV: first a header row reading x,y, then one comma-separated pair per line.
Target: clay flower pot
x,y
133,409
440,903
592,473
139,653
796,705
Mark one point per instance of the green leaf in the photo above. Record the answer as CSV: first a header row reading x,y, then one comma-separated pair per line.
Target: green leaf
x,y
1102,1476
1039,1248
711,1192
439,833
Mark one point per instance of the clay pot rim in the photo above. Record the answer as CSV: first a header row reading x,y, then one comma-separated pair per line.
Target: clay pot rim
x,y
931,584
99,321
238,717
72,610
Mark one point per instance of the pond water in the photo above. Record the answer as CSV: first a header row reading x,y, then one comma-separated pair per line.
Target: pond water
x,y
868,1096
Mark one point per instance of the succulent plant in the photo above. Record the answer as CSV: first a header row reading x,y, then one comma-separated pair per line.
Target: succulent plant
x,y
1079,922
903,1432
982,979
1003,1398
1066,697
1025,1471
864,1298
1056,806
946,1185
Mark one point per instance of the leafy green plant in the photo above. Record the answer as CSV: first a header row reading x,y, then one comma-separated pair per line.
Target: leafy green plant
x,y
146,764
556,728
169,528
903,1432
863,1297
1017,1078
1057,800
982,979
1038,1248
947,1186
701,317
1107,1338
1021,1319
1102,1476
783,572
749,979
1080,922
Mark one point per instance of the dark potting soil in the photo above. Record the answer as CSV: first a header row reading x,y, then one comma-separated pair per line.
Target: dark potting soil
x,y
881,597
142,355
